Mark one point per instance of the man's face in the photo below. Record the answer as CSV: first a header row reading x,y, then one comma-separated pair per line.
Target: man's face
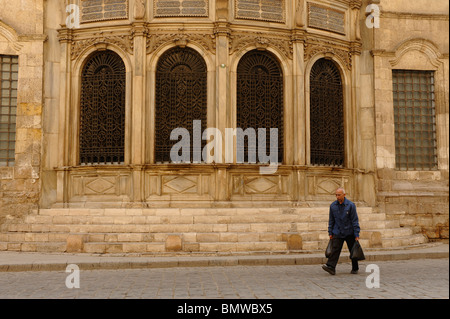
x,y
340,196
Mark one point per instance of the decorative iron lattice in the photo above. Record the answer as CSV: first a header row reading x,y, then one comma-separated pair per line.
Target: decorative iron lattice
x,y
260,98
326,114
181,76
415,120
102,109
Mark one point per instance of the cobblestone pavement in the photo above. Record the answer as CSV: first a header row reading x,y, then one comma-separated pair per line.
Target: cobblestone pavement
x,y
410,279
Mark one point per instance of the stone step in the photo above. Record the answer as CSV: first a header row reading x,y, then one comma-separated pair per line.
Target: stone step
x,y
310,211
213,219
45,247
410,240
144,237
322,245
196,229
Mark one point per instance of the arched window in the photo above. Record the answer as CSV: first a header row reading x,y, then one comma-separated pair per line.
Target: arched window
x,y
259,98
326,114
181,76
102,109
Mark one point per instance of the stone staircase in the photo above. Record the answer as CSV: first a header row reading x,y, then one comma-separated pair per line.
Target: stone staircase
x,y
163,231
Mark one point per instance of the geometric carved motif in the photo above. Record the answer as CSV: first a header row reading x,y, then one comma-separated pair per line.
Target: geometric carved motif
x,y
181,8
324,18
99,10
102,185
326,185
179,184
259,185
265,10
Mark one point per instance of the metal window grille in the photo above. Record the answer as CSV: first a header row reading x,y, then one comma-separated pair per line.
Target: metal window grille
x,y
9,73
102,109
180,99
326,115
415,120
260,99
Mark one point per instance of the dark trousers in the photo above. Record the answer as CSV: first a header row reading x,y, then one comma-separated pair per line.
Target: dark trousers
x,y
337,244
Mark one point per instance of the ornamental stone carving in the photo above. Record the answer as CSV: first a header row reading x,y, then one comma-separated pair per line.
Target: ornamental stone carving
x,y
261,41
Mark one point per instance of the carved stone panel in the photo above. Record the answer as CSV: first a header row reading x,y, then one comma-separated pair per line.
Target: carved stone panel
x,y
325,186
100,184
98,10
266,10
329,19
181,8
273,187
177,186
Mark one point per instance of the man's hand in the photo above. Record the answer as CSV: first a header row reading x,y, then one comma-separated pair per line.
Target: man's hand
x,y
356,238
331,236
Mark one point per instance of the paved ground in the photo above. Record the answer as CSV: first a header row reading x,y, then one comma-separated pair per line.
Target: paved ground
x,y
410,279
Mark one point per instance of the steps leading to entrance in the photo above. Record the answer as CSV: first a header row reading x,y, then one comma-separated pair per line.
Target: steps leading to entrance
x,y
202,230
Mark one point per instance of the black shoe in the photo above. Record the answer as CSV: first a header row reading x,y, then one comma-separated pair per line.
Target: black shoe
x,y
329,269
354,271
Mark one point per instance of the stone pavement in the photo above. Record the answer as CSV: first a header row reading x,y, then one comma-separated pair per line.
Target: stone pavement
x,y
21,261
419,273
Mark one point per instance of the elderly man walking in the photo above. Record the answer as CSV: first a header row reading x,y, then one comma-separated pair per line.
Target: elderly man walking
x,y
343,225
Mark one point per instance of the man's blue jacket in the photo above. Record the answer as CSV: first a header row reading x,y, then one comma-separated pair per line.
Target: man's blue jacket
x,y
343,219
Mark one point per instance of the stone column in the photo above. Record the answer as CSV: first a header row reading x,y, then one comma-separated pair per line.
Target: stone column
x,y
299,98
63,158
223,108
138,110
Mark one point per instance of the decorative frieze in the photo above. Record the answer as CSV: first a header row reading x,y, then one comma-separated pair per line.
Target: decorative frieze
x,y
124,41
155,40
266,10
100,10
281,42
181,8
344,55
325,18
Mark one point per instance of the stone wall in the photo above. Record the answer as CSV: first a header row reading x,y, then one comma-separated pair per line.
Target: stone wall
x,y
411,37
22,35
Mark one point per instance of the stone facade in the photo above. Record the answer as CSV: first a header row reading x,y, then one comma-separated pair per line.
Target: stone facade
x,y
20,183
53,49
